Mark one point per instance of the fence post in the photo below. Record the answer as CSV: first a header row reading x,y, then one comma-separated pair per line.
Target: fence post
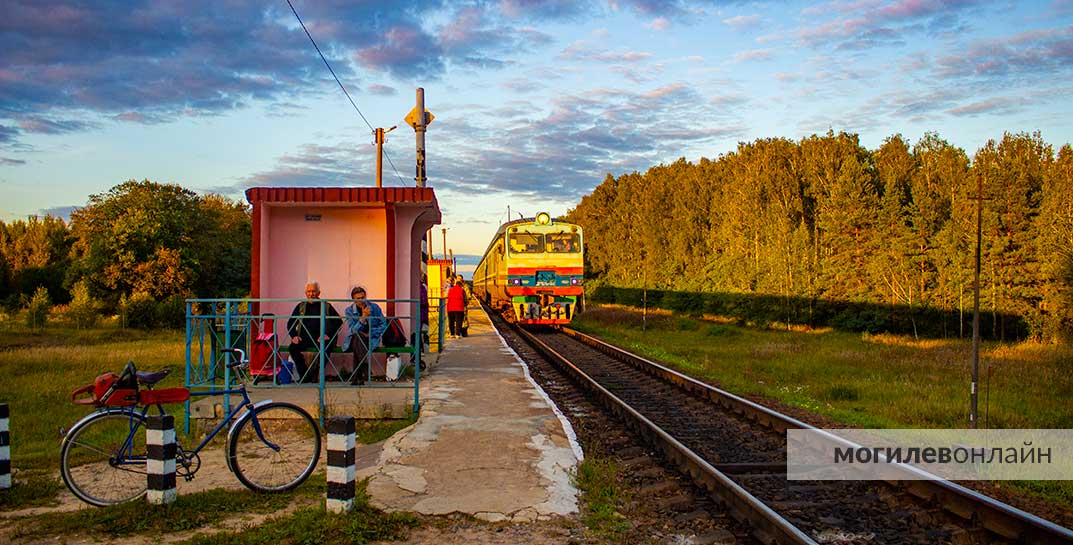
x,y
5,449
160,459
341,470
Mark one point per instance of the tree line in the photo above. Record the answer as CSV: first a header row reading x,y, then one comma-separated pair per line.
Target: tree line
x,y
142,241
824,220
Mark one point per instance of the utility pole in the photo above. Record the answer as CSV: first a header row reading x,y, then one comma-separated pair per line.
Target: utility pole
x,y
419,128
974,391
379,135
444,243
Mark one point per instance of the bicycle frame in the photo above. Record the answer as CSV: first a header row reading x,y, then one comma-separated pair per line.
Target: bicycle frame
x,y
127,456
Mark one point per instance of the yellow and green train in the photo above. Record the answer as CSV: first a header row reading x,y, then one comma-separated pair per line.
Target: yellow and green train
x,y
534,267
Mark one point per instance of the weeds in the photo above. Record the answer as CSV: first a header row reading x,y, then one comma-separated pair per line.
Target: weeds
x,y
597,478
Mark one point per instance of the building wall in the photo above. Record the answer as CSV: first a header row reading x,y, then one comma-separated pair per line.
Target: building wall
x,y
347,246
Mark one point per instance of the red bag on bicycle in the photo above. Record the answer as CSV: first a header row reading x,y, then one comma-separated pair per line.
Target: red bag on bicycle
x,y
110,390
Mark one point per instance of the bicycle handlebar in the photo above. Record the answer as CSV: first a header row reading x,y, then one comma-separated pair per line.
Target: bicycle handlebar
x,y
241,356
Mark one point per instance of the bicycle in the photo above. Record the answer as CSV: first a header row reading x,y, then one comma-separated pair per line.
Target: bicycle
x,y
272,447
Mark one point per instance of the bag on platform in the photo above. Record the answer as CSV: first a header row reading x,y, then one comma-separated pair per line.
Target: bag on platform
x,y
394,367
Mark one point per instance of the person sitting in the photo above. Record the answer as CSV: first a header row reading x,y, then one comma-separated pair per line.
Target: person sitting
x,y
367,325
456,307
303,327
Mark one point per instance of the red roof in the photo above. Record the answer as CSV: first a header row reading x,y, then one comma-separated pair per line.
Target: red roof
x,y
345,195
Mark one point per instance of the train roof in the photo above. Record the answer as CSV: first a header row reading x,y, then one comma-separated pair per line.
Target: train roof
x,y
522,221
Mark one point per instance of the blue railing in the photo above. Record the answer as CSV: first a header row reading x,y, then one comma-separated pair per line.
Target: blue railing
x,y
214,324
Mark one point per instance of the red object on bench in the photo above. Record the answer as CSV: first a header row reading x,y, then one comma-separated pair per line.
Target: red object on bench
x,y
264,351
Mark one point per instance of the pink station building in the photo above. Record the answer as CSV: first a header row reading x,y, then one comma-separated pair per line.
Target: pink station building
x,y
340,237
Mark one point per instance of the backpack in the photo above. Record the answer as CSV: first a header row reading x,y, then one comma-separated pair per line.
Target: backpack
x,y
393,336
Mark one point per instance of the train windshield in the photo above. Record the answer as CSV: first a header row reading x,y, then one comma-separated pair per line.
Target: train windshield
x,y
563,243
526,243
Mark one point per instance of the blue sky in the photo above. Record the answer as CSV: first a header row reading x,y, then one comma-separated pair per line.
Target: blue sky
x,y
535,101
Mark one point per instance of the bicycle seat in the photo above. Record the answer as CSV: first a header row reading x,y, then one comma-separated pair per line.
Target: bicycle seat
x,y
151,378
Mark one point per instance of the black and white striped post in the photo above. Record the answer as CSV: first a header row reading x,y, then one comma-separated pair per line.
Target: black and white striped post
x,y
160,459
341,469
5,449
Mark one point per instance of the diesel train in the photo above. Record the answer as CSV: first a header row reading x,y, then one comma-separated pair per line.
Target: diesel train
x,y
534,268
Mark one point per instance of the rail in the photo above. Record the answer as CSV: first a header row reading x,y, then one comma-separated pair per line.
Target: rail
x,y
1000,518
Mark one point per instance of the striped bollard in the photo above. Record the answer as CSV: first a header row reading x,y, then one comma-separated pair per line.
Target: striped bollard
x,y
5,449
341,470
160,459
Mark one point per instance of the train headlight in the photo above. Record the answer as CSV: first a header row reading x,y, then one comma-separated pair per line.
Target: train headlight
x,y
573,281
543,218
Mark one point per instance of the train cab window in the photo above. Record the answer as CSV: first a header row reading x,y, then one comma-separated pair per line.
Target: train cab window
x,y
526,243
563,243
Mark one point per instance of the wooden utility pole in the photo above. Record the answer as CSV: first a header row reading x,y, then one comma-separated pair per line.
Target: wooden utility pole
x,y
974,390
379,135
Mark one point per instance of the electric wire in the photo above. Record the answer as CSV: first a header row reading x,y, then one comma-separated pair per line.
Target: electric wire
x,y
392,163
315,46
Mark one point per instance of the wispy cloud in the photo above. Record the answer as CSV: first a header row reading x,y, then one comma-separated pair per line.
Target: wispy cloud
x,y
659,24
753,55
742,21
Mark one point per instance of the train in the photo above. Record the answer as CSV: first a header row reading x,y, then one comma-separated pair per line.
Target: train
x,y
534,270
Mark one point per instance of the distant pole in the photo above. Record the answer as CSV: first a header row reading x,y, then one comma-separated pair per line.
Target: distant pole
x,y
973,392
419,128
379,134
444,243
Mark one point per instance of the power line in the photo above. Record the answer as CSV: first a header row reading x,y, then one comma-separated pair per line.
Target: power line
x,y
352,103
392,163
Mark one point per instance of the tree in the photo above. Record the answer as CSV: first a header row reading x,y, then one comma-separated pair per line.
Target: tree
x,y
161,239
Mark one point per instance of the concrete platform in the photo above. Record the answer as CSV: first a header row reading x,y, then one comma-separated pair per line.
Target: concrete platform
x,y
489,443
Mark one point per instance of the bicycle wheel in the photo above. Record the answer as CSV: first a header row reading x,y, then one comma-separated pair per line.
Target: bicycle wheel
x,y
282,455
102,459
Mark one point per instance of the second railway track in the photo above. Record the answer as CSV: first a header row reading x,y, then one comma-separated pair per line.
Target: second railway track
x,y
735,450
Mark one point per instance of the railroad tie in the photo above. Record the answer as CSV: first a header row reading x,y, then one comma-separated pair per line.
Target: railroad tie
x,y
341,469
160,459
5,449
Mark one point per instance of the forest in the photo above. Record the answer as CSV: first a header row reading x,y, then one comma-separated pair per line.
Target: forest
x,y
824,232
144,240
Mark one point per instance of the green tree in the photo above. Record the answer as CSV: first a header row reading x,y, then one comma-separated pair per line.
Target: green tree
x,y
37,310
161,240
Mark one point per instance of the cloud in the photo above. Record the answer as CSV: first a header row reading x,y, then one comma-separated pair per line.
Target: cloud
x,y
381,90
1036,53
584,51
865,24
143,61
8,134
62,212
543,9
742,21
11,162
43,125
989,106
753,55
659,24
314,165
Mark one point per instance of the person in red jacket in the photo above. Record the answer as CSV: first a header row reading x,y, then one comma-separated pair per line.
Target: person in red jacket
x,y
456,307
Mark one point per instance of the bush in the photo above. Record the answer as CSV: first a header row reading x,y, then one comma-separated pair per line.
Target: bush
x,y
139,311
171,312
83,310
38,309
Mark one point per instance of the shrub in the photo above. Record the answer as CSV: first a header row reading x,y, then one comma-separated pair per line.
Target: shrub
x,y
139,311
83,310
171,312
38,309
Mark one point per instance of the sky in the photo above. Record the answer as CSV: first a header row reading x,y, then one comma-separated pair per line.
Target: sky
x,y
535,101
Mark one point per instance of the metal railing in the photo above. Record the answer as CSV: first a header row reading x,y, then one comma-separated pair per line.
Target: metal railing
x,y
215,324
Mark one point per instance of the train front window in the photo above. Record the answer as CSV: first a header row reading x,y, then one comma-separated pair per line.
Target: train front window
x,y
563,243
526,243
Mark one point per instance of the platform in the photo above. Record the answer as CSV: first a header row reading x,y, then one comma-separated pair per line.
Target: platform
x,y
488,442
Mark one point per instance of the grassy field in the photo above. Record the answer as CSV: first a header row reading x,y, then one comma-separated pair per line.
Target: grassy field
x,y
40,369
880,381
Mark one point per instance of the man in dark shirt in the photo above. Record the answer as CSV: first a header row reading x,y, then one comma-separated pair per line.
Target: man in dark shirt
x,y
303,328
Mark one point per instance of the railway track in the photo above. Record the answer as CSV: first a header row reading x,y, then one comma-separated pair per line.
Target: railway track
x,y
734,449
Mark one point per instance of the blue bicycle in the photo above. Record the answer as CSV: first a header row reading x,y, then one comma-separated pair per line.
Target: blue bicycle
x,y
271,446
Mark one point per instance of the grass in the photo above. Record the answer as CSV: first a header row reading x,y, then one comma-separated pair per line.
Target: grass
x,y
315,525
40,370
30,489
861,380
189,512
597,479
876,381
374,431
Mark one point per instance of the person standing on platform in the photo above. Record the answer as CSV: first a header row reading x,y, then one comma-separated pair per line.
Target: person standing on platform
x,y
367,325
456,307
303,327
